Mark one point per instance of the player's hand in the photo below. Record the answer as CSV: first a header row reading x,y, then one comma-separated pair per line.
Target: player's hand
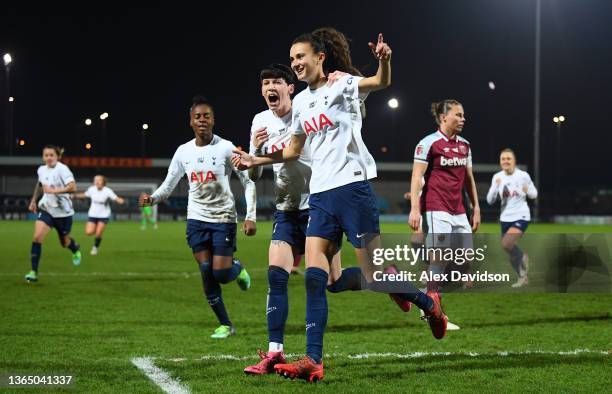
x,y
476,219
414,219
380,50
249,227
334,76
32,207
407,196
525,188
498,181
49,190
145,200
242,160
260,136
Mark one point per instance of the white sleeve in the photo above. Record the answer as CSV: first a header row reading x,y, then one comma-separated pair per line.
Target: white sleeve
x,y
422,151
111,194
296,126
350,85
66,175
175,173
493,191
469,158
532,192
254,172
250,191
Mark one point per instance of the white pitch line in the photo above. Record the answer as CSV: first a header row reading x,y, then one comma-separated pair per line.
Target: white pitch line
x,y
160,377
233,357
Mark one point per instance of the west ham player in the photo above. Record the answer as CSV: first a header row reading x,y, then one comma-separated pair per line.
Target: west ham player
x,y
270,132
341,200
445,160
54,208
513,186
100,209
211,210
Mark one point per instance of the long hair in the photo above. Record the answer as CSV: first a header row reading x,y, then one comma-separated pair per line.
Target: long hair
x,y
335,45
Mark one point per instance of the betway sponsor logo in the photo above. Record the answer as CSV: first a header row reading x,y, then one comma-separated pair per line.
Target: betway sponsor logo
x,y
453,162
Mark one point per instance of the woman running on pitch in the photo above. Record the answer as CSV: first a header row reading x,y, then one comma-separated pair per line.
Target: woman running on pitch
x,y
513,187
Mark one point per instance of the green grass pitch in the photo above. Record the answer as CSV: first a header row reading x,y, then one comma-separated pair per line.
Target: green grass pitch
x,y
142,297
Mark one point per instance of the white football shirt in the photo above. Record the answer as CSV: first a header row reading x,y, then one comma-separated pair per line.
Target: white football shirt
x,y
513,198
330,116
100,201
291,178
208,169
56,205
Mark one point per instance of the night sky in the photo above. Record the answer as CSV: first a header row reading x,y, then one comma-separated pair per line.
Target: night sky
x,y
144,65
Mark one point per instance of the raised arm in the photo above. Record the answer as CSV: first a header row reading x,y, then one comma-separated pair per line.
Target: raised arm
x,y
258,138
382,79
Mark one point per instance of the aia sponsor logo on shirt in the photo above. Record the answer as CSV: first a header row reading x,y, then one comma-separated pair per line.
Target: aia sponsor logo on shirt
x,y
202,177
316,124
274,147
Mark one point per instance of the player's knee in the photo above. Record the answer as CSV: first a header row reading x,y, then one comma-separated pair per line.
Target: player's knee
x,y
277,279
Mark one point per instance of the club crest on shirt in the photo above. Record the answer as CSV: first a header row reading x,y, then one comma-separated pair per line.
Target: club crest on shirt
x,y
311,105
200,160
462,150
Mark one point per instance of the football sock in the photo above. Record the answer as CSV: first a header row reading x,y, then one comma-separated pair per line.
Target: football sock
x,y
350,279
516,258
316,312
278,304
227,275
35,254
73,246
212,290
98,242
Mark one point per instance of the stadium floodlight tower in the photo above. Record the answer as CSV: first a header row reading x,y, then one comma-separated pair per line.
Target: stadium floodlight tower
x,y
558,120
8,59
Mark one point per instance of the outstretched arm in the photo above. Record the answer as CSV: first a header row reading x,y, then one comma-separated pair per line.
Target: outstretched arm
x,y
244,161
382,79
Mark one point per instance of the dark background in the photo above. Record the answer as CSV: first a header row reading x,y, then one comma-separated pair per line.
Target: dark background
x,y
144,64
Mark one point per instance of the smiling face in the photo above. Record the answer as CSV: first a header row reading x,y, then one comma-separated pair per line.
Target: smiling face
x,y
306,63
202,121
507,161
277,94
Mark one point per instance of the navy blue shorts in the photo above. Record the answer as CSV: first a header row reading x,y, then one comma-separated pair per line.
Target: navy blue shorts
x,y
219,238
96,220
349,209
290,226
62,225
520,224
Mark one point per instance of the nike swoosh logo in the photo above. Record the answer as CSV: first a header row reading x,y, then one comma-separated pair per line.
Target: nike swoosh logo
x,y
361,235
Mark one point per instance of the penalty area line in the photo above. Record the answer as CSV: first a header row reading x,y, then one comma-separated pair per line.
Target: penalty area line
x,y
160,377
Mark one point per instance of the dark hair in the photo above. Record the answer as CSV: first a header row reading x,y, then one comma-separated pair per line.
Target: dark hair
x,y
442,107
59,151
199,99
508,150
103,179
335,45
277,70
